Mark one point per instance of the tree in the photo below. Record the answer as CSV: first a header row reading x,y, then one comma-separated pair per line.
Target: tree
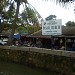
x,y
30,17
18,2
4,14
50,17
9,3
22,30
70,24
64,1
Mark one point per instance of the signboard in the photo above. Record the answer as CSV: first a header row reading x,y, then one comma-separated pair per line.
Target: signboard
x,y
52,27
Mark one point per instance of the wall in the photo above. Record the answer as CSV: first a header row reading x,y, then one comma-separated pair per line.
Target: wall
x,y
59,61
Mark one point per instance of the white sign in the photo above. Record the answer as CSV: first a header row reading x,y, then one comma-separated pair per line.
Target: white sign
x,y
52,27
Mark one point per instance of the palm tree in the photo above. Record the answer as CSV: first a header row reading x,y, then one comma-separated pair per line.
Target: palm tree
x,y
18,3
7,3
64,1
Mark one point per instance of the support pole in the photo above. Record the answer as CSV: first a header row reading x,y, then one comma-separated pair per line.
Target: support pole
x,y
65,43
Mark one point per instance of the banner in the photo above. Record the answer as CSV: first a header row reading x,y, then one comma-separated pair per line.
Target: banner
x,y
52,27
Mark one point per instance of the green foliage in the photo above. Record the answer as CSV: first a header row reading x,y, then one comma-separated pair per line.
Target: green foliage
x,y
29,16
30,29
50,17
66,1
22,30
69,23
2,5
8,15
62,1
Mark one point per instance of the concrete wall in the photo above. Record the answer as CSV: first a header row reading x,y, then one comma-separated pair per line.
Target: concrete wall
x,y
54,60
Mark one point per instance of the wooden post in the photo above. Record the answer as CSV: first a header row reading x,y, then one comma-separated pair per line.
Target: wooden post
x,y
65,43
52,42
0,26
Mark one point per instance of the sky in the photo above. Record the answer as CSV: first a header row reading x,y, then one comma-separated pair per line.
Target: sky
x,y
46,8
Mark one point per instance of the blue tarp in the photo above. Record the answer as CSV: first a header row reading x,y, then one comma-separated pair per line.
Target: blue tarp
x,y
17,36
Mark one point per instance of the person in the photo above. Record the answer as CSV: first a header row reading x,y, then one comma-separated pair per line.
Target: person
x,y
17,43
0,42
39,44
62,48
73,46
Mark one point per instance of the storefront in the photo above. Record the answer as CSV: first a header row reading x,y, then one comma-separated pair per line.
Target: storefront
x,y
61,42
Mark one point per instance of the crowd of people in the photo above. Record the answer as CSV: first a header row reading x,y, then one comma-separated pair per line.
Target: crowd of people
x,y
55,43
28,43
40,43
